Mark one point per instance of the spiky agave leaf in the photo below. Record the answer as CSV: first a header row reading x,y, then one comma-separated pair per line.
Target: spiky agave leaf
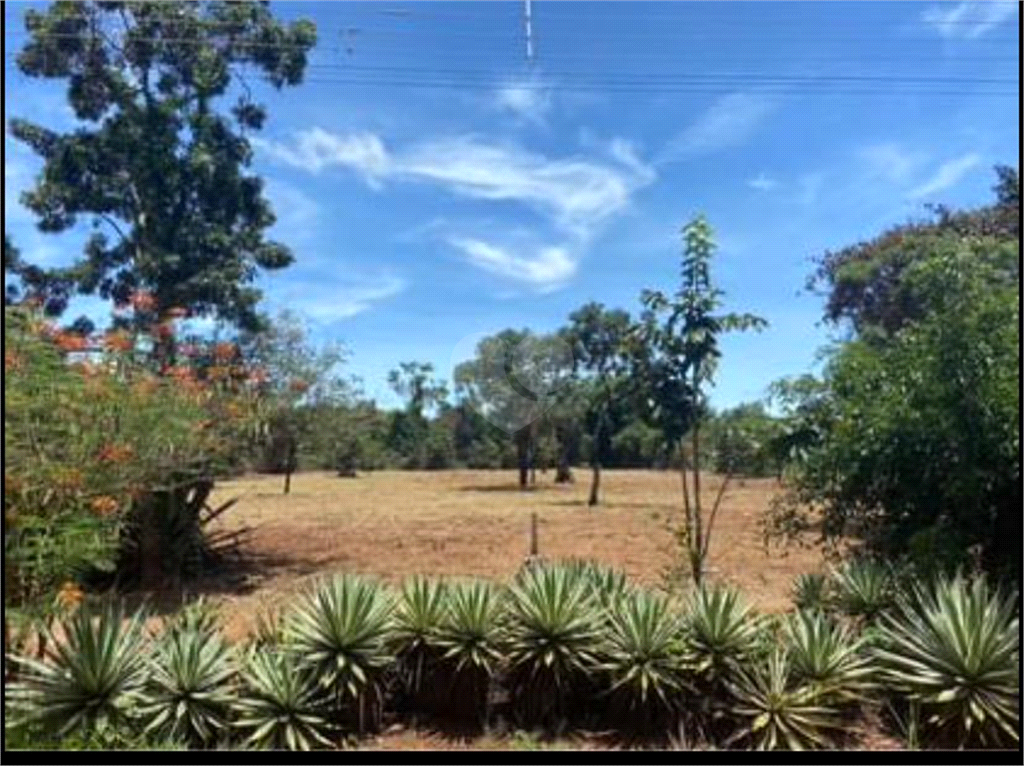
x,y
953,649
421,606
190,687
827,656
340,630
471,632
281,705
810,591
470,641
642,660
776,712
93,682
721,633
864,588
553,639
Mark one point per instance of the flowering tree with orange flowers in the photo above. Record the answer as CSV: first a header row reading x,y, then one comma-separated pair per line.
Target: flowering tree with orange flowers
x,y
100,440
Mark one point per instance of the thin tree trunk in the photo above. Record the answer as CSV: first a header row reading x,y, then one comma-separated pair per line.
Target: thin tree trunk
x,y
523,458
698,522
595,464
595,482
289,467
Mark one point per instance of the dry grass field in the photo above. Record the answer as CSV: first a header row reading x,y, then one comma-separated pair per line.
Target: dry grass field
x,y
396,523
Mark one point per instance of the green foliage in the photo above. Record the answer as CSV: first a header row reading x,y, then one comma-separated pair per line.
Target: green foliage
x,y
866,284
674,360
644,667
863,588
152,159
721,634
953,651
810,591
282,706
94,682
552,633
827,657
190,686
471,638
917,449
339,630
779,713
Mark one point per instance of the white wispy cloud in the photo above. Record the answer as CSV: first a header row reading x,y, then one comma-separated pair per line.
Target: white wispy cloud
x,y
763,182
316,149
948,174
730,121
968,20
889,161
526,98
574,194
337,297
548,269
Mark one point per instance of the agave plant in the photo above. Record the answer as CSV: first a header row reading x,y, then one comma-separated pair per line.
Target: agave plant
x,y
827,657
721,633
281,706
810,591
776,711
953,650
553,638
92,684
864,588
190,687
421,607
470,639
340,631
642,659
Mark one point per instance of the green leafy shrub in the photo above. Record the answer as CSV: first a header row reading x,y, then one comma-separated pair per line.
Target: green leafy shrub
x,y
553,643
953,651
776,711
281,705
339,631
92,684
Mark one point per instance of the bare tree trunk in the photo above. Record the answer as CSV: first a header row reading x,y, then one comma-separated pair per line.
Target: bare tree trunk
x,y
522,454
595,482
290,465
595,465
698,522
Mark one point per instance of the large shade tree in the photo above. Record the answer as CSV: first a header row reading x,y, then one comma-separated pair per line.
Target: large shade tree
x,y
158,161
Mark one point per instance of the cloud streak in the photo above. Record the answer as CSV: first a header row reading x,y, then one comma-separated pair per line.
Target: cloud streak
x,y
526,99
335,299
729,121
546,270
968,20
947,175
574,194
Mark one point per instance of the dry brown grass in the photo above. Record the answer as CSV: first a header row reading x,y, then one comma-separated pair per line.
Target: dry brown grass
x,y
396,523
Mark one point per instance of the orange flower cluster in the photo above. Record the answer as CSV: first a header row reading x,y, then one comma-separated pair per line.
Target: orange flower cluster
x,y
163,330
298,386
104,506
224,352
142,301
180,373
258,375
70,341
118,340
218,372
70,595
115,453
12,361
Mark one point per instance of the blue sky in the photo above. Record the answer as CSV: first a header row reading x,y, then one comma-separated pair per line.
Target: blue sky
x,y
435,185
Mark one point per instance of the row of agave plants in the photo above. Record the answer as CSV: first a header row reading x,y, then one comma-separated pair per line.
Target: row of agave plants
x,y
570,645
